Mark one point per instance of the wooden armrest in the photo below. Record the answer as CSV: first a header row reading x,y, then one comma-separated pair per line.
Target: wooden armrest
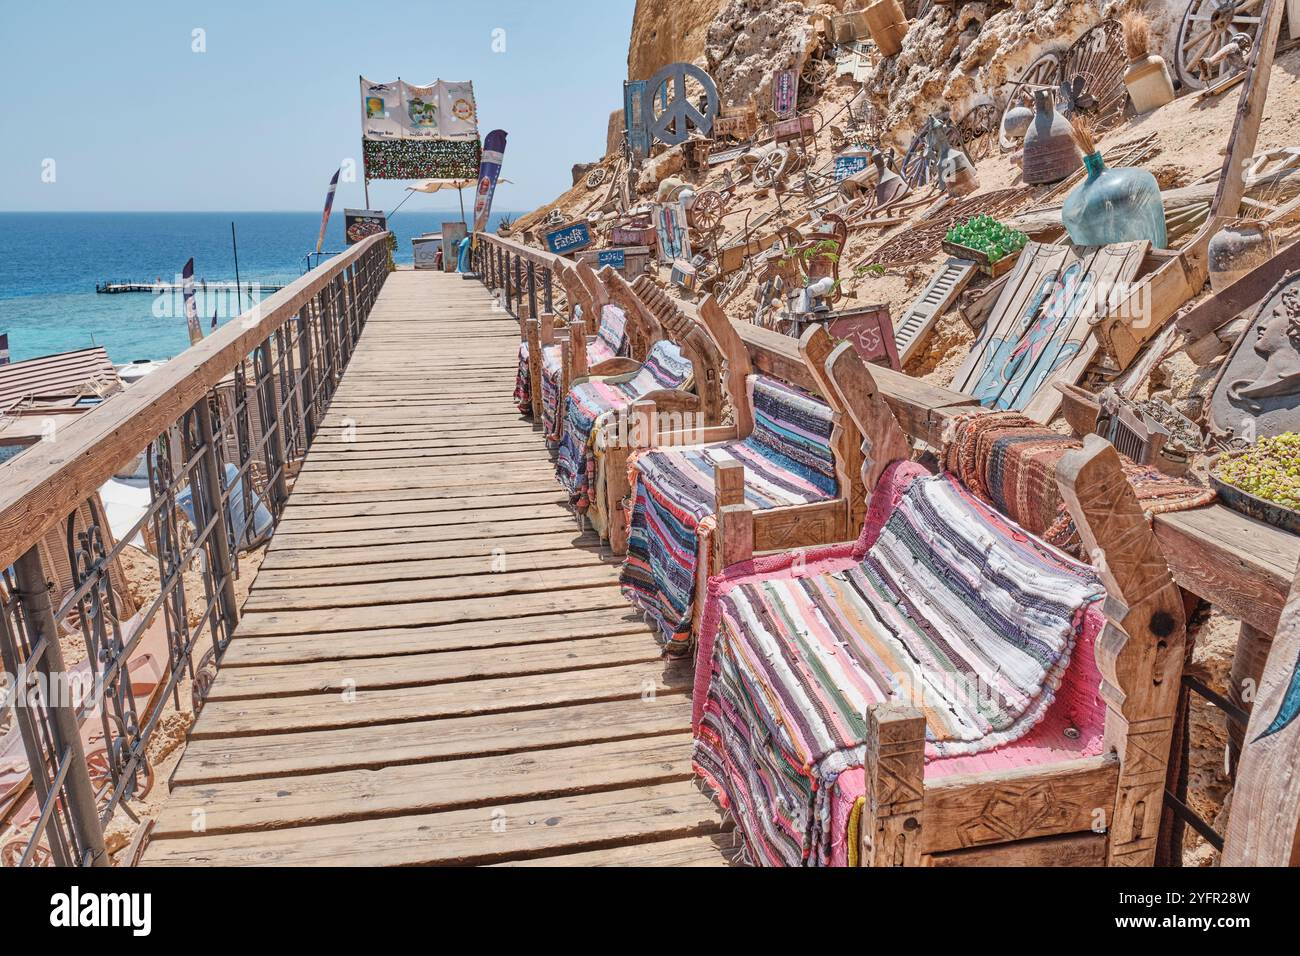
x,y
577,364
618,365
547,328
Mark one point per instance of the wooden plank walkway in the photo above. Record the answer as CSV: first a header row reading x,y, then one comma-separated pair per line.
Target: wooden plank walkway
x,y
434,665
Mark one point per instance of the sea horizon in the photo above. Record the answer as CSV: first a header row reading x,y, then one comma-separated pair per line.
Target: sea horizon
x,y
48,302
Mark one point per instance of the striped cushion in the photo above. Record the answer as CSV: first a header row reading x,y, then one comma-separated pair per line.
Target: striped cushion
x,y
610,342
953,609
674,492
593,402
611,335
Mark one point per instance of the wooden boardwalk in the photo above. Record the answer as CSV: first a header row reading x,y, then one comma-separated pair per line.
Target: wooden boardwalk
x,y
434,665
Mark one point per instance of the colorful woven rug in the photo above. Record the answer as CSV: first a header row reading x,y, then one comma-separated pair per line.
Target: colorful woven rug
x,y
1009,461
787,461
942,603
593,402
610,342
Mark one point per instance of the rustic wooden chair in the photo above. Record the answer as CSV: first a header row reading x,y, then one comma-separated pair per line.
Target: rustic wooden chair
x,y
599,338
789,450
1082,782
682,374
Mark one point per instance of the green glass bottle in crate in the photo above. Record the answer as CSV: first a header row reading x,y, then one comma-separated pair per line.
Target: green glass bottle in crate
x,y
1114,205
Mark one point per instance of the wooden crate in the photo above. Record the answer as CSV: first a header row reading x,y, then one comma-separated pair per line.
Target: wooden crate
x,y
981,259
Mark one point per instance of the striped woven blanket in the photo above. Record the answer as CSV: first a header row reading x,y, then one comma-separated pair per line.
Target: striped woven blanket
x,y
1009,461
787,461
942,603
610,342
593,402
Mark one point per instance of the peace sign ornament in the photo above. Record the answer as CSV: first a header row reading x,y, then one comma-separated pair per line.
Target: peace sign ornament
x,y
672,123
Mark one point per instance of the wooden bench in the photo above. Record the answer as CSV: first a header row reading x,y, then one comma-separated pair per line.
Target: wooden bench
x,y
1094,809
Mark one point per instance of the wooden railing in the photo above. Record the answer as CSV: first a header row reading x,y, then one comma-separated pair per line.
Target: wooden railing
x,y
517,273
220,429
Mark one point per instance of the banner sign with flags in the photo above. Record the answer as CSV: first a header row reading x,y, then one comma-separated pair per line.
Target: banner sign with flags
x,y
329,204
4,348
494,147
785,93
191,307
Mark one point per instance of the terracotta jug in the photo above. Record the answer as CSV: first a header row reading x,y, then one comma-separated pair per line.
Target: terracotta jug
x,y
1237,248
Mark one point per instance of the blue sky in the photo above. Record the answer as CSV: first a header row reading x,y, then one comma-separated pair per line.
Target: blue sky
x,y
135,120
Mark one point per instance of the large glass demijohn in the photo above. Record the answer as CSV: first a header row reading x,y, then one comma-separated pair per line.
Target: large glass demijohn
x,y
1113,205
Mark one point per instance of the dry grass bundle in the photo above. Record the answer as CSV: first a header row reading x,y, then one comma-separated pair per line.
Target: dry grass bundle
x,y
1137,34
1081,133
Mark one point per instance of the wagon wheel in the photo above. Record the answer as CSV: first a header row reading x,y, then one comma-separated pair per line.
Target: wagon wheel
x,y
771,167
1098,58
707,210
1042,72
921,163
101,776
1206,27
977,132
596,177
11,854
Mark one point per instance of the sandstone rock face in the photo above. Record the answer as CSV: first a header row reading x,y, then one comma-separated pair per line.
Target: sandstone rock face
x,y
667,31
751,39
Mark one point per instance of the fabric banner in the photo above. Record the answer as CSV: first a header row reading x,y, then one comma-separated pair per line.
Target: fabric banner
x,y
329,204
494,147
401,110
191,307
4,348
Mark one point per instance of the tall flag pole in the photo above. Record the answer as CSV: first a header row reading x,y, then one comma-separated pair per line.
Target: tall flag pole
x,y
329,204
494,147
4,348
191,308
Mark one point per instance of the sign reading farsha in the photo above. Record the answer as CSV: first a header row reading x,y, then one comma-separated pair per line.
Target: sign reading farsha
x,y
569,239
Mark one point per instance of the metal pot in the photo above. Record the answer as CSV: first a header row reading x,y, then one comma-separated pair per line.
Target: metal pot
x,y
1050,152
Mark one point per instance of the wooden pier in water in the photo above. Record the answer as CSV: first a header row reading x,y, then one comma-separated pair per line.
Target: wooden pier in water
x,y
435,664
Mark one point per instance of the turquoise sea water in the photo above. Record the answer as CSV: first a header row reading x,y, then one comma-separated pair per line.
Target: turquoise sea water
x,y
52,261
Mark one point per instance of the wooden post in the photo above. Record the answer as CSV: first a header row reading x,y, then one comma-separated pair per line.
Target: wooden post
x,y
1140,651
534,332
532,288
617,486
736,358
890,829
1244,678
734,537
728,484
1264,823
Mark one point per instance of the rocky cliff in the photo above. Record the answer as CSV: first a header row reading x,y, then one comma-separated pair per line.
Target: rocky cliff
x,y
668,31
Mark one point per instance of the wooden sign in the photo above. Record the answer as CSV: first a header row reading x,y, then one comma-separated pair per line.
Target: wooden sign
x,y
785,93
870,331
630,261
632,235
683,274
851,165
568,239
796,127
1258,391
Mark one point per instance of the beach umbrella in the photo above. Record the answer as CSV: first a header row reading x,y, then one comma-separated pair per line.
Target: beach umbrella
x,y
435,185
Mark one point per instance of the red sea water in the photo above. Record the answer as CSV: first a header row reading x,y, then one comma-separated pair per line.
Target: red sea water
x,y
52,262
